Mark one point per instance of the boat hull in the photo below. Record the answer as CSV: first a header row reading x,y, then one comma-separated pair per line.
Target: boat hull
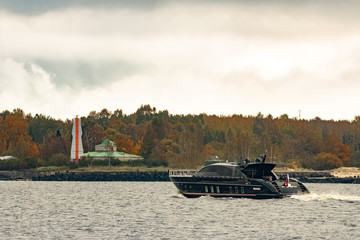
x,y
193,187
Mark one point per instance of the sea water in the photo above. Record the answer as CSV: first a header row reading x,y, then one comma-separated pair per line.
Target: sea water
x,y
155,210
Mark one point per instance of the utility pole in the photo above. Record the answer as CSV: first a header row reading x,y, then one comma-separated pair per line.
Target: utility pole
x,y
299,114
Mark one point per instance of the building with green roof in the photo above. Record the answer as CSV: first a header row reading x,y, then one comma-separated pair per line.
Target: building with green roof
x,y
107,149
105,146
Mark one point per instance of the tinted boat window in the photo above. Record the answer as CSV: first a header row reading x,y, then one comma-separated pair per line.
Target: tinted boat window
x,y
220,171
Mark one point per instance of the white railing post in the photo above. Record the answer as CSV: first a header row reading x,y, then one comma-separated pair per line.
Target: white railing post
x,y
182,172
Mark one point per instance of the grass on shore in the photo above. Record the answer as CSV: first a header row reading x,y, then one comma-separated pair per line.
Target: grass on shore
x,y
52,169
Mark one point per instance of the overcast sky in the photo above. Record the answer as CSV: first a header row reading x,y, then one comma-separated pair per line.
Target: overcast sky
x,y
62,58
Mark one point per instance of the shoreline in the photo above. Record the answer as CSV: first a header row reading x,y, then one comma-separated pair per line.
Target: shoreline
x,y
160,176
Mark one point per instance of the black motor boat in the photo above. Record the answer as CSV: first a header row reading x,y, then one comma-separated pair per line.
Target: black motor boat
x,y
236,179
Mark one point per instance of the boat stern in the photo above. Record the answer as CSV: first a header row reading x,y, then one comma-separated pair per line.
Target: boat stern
x,y
290,187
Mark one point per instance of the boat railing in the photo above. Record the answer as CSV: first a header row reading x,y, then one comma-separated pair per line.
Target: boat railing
x,y
182,173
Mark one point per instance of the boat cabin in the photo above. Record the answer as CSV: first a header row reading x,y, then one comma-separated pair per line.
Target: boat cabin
x,y
260,170
252,170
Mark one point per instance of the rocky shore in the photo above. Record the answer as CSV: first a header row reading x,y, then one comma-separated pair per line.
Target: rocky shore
x,y
106,176
158,176
319,177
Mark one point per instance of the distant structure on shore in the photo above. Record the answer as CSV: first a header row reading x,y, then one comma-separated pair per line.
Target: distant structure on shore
x,y
7,157
76,146
107,149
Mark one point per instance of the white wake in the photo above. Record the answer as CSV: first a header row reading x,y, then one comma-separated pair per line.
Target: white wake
x,y
322,197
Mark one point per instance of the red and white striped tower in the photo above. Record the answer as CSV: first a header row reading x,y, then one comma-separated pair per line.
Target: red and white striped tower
x,y
76,146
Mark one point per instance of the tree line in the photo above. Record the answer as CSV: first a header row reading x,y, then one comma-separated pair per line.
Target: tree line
x,y
184,141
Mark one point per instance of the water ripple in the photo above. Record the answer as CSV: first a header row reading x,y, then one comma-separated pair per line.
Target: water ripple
x,y
155,210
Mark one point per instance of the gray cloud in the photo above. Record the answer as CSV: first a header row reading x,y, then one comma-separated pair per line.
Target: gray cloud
x,y
35,7
343,9
82,74
236,56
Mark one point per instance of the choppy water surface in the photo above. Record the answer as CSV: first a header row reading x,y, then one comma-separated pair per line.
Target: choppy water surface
x,y
154,210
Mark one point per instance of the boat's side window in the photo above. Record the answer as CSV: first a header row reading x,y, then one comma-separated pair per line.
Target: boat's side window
x,y
230,189
242,190
236,190
212,189
217,189
206,189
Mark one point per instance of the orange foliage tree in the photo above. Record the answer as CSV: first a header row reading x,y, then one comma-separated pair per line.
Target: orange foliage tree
x,y
188,140
17,142
342,151
125,144
324,161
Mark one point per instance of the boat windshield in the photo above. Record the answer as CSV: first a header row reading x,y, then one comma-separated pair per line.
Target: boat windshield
x,y
220,170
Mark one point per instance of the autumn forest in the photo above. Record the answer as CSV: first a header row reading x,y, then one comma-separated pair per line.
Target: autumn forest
x,y
183,141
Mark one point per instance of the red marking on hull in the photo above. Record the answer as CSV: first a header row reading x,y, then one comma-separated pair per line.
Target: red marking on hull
x,y
221,194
